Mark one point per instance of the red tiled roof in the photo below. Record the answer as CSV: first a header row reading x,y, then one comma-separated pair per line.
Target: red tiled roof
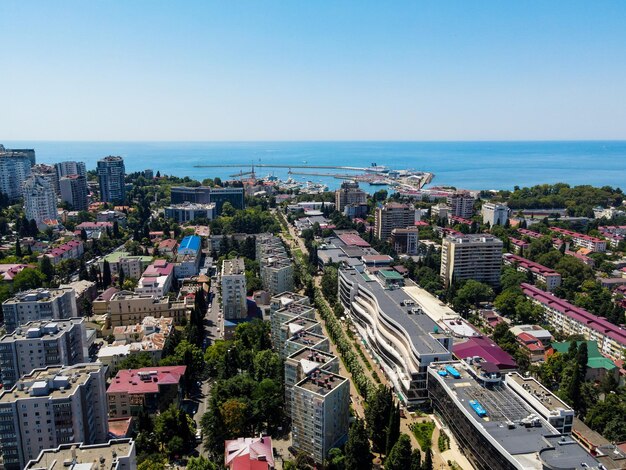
x,y
572,234
530,265
487,349
529,233
599,324
141,381
244,463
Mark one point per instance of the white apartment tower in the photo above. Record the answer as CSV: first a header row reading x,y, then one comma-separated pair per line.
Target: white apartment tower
x,y
51,407
39,304
234,289
495,214
39,344
14,169
40,200
476,257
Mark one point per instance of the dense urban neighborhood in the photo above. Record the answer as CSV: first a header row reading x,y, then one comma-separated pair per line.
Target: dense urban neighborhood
x,y
152,321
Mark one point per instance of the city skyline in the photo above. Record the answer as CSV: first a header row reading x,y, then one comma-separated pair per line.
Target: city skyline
x,y
274,72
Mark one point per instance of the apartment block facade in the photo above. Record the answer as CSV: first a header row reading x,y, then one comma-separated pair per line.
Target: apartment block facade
x,y
39,304
476,257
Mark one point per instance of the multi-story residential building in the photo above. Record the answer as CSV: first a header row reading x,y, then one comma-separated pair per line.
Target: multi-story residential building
x,y
40,200
253,453
518,246
14,170
50,407
279,313
188,256
39,344
529,233
117,454
111,172
151,389
47,172
495,214
206,195
397,331
233,277
133,266
38,304
476,257
28,153
281,317
73,190
405,240
70,168
540,273
349,195
276,268
300,364
129,308
392,215
188,211
572,320
156,279
112,216
508,422
461,204
73,249
581,240
320,413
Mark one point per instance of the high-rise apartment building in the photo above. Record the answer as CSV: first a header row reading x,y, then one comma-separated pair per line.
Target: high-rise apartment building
x,y
477,256
111,172
320,413
73,190
461,204
14,170
405,240
349,195
70,168
51,407
233,277
40,200
39,344
28,153
39,304
47,172
276,268
392,215
495,214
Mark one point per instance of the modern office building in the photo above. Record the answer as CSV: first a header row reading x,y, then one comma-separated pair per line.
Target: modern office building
x,y
349,194
187,212
569,320
580,240
540,273
70,168
117,454
405,240
40,200
73,189
207,195
477,256
392,215
39,344
396,330
320,413
233,293
51,407
495,214
111,173
15,168
508,422
275,266
39,304
461,204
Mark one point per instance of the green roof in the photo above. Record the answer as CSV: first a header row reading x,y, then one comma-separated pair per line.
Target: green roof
x,y
595,360
391,275
117,255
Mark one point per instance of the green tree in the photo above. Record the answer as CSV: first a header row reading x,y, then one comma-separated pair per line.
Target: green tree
x,y
400,456
46,268
377,413
471,294
336,460
416,460
393,429
428,460
106,274
357,453
28,278
18,248
200,463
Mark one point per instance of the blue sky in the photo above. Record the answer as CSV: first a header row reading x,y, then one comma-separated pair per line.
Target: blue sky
x,y
312,70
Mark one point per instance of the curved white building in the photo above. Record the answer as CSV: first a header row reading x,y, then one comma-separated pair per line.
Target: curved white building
x,y
405,339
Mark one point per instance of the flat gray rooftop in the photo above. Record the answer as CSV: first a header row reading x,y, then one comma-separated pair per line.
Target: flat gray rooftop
x,y
418,326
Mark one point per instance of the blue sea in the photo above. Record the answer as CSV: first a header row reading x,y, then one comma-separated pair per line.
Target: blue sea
x,y
468,165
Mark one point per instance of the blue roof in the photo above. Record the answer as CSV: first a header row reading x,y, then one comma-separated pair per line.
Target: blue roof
x,y
190,242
